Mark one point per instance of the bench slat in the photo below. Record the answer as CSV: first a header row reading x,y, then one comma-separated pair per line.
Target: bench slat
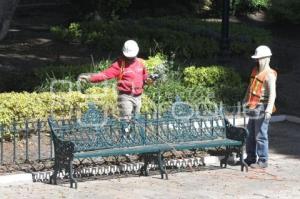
x,y
155,148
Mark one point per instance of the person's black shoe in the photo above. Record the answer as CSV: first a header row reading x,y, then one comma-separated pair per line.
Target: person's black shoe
x,y
249,162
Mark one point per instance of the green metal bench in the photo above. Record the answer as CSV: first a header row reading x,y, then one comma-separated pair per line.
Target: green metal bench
x,y
181,128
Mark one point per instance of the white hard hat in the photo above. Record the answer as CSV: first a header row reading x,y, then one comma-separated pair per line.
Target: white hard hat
x,y
130,49
262,51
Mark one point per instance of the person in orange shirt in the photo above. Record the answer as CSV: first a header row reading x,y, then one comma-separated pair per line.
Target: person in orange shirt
x,y
259,101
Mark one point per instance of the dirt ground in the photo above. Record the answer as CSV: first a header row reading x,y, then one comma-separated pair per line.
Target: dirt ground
x,y
279,180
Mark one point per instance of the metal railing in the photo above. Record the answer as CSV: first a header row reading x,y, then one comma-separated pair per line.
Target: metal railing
x,y
25,141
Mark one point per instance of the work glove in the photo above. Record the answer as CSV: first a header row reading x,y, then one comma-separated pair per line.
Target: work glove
x,y
154,76
84,78
267,116
149,81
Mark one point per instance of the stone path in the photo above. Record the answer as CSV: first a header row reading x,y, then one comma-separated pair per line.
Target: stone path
x,y
281,180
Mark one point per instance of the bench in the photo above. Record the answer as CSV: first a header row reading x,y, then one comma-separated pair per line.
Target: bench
x,y
150,136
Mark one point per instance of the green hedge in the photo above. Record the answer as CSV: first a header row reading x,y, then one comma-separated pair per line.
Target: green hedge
x,y
188,38
206,87
201,86
224,83
21,106
65,97
18,106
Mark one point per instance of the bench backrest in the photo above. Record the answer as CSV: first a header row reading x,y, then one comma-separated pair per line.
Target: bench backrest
x,y
94,131
91,136
170,129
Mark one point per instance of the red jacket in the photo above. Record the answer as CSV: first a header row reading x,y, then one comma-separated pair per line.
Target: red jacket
x,y
131,75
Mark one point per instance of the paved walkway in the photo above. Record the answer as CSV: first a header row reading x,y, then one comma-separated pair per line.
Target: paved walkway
x,y
280,180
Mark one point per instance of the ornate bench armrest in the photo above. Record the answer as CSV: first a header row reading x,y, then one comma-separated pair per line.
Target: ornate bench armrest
x,y
63,148
236,133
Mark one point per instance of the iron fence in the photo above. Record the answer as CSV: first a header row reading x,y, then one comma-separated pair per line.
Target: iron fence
x,y
25,141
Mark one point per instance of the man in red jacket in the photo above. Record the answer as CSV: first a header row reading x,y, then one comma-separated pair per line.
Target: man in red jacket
x,y
131,74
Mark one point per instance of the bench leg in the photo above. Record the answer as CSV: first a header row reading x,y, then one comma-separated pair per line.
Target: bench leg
x,y
55,172
71,177
162,166
223,162
144,170
243,163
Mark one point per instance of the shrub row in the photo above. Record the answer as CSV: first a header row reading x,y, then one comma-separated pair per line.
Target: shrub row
x,y
224,84
186,37
201,86
21,106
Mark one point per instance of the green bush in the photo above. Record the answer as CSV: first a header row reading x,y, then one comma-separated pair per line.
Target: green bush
x,y
157,64
225,84
73,33
210,76
188,38
285,11
66,96
165,92
246,6
64,77
20,106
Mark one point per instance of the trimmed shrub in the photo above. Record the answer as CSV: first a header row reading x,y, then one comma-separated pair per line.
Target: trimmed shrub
x,y
225,84
20,106
165,93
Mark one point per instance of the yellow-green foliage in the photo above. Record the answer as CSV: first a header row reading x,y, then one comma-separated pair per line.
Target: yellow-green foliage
x,y
105,98
153,61
224,83
211,76
21,106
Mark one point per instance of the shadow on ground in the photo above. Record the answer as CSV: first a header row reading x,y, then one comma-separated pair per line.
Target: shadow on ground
x,y
284,138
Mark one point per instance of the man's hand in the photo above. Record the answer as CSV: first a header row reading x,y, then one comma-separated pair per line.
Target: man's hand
x,y
149,81
152,78
84,78
267,116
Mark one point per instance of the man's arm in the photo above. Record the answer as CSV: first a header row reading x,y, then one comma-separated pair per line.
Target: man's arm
x,y
271,86
112,72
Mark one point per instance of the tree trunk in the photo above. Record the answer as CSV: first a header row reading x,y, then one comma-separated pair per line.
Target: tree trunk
x,y
7,10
